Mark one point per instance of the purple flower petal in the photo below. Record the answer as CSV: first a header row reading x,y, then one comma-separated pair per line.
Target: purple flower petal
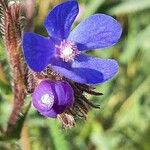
x,y
86,69
65,96
98,31
37,51
51,113
59,20
52,98
43,97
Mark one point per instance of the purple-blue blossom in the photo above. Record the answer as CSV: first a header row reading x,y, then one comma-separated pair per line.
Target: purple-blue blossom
x,y
52,98
64,49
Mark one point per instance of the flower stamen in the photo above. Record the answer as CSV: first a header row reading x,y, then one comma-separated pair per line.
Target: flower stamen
x,y
67,50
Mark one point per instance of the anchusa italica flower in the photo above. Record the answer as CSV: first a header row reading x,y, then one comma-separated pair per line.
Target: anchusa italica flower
x,y
64,50
62,53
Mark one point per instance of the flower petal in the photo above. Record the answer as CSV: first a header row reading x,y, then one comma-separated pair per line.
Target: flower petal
x,y
98,31
86,69
37,50
51,113
65,96
59,20
43,89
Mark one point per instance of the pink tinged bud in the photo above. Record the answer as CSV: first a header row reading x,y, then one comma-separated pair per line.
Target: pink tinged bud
x,y
52,98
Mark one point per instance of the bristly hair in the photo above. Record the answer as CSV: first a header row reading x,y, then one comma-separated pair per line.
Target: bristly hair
x,y
81,105
3,9
11,30
11,21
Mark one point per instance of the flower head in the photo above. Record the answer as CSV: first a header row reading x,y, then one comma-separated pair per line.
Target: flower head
x,y
63,50
52,98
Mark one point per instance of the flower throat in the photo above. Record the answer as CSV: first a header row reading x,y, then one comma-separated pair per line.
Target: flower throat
x,y
67,50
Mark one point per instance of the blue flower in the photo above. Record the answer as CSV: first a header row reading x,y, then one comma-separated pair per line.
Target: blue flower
x,y
52,98
63,50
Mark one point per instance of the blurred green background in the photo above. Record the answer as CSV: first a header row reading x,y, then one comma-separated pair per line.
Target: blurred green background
x,y
123,122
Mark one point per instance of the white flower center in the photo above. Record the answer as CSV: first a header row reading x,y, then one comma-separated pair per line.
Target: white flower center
x,y
67,50
47,100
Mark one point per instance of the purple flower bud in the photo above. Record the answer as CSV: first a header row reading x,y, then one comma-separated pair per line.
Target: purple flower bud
x,y
52,98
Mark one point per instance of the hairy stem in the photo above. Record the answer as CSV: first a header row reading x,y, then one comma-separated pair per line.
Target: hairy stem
x,y
11,27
